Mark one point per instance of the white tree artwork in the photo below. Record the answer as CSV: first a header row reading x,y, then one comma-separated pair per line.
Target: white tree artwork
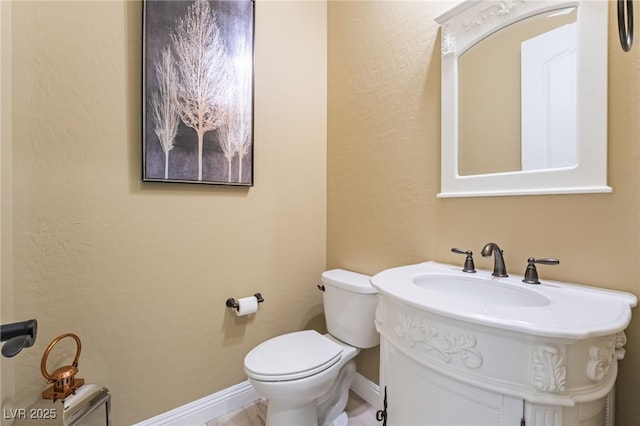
x,y
235,130
200,85
164,105
201,55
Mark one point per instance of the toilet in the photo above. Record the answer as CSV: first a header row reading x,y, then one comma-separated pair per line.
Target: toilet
x,y
305,376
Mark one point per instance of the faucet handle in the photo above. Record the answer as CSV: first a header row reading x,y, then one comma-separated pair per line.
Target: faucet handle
x,y
469,266
531,274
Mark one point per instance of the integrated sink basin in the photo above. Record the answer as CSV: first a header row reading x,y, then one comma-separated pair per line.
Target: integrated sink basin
x,y
551,308
479,291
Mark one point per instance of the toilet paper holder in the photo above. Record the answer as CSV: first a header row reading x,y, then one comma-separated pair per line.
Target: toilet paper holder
x,y
233,303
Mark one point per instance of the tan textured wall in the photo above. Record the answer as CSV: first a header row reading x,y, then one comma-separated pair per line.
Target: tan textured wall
x,y
141,271
6,287
383,172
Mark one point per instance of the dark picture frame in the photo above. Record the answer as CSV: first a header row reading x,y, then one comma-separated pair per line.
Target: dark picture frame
x,y
197,100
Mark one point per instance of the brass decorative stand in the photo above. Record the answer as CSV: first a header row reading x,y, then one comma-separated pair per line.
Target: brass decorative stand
x,y
64,381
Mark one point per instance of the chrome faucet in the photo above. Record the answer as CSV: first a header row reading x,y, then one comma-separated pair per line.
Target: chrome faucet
x,y
499,268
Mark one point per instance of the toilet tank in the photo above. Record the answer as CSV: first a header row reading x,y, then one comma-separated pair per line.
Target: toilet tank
x,y
350,303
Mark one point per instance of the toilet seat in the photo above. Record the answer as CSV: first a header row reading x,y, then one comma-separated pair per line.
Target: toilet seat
x,y
292,356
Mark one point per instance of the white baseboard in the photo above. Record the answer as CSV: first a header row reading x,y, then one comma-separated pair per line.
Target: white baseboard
x,y
202,410
230,399
367,390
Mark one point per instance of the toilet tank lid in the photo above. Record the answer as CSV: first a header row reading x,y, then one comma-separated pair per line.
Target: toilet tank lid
x,y
347,280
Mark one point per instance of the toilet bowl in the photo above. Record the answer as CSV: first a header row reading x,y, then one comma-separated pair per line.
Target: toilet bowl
x,y
304,375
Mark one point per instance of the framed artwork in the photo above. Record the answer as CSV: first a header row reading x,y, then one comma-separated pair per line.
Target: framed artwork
x,y
198,91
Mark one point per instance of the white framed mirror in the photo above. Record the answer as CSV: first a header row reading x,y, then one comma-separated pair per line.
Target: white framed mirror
x,y
524,98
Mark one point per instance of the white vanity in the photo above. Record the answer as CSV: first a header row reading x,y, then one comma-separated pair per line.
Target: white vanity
x,y
471,349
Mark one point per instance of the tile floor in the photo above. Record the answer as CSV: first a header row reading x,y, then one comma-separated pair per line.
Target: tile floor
x,y
359,412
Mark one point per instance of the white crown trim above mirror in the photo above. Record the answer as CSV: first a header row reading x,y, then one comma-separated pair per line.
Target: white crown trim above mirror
x,y
471,22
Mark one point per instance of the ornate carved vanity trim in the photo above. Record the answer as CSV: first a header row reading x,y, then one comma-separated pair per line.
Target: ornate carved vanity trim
x,y
491,359
437,340
548,370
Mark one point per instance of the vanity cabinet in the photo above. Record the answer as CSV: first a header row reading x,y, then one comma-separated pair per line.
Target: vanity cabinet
x,y
438,371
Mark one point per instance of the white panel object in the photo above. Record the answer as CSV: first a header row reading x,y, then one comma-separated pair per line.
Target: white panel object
x,y
549,100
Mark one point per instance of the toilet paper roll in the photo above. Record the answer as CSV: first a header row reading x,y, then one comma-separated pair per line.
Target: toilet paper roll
x,y
247,305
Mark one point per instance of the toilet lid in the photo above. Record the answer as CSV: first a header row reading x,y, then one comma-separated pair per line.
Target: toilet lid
x,y
292,356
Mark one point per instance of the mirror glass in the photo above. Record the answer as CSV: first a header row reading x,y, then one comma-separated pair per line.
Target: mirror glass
x,y
517,97
523,101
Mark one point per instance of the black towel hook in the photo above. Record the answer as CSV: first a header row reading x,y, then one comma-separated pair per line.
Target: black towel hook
x,y
625,27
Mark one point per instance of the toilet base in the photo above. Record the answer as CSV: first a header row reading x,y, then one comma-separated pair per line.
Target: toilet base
x,y
280,414
284,414
341,420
